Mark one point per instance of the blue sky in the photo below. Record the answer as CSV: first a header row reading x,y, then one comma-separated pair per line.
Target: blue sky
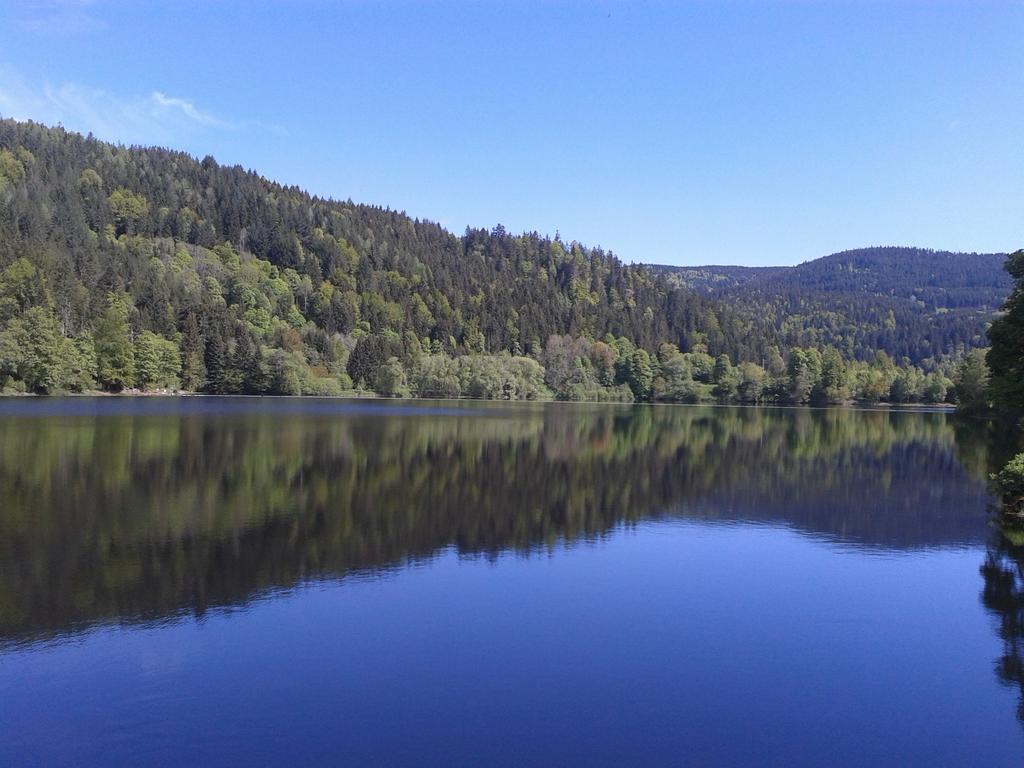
x,y
704,132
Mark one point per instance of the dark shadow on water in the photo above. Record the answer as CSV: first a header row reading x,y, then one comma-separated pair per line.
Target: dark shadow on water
x,y
1003,595
984,447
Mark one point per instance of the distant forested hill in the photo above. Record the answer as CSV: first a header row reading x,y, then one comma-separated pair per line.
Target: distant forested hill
x,y
911,302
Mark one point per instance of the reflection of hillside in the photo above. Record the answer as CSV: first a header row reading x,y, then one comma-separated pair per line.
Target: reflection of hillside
x,y
141,516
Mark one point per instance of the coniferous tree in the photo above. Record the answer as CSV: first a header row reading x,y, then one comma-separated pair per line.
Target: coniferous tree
x,y
215,360
1006,356
193,376
366,358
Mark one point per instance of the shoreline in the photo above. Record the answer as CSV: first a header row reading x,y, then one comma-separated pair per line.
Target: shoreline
x,y
850,404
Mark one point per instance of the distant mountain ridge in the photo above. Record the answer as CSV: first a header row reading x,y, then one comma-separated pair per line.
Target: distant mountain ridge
x,y
937,278
915,303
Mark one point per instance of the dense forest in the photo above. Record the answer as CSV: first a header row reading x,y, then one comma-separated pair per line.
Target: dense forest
x,y
910,302
144,268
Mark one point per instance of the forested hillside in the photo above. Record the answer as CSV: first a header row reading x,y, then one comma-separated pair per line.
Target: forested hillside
x,y
146,268
911,302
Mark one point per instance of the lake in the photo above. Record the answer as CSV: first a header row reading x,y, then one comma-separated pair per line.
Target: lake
x,y
253,581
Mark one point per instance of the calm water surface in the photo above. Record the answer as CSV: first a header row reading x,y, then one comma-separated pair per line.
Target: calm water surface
x,y
257,581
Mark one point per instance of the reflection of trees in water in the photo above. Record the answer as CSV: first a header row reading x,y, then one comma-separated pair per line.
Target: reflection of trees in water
x,y
125,517
984,446
1003,595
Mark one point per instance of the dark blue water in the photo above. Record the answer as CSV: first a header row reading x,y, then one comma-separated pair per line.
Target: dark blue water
x,y
257,582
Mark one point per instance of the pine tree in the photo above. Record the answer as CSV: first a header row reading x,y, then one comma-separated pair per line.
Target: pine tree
x,y
215,360
193,373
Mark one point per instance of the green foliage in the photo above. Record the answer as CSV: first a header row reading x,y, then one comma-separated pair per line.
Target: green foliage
x,y
128,209
936,388
639,374
832,386
316,386
870,383
115,353
501,377
12,174
34,353
20,288
35,350
702,364
157,362
676,372
80,369
1006,334
286,372
366,359
726,379
495,377
751,385
390,380
971,380
436,375
264,289
804,371
912,303
907,386
10,357
193,365
1009,483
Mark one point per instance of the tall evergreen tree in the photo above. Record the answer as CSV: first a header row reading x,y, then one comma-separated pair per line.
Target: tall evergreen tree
x,y
1006,355
366,358
215,360
193,370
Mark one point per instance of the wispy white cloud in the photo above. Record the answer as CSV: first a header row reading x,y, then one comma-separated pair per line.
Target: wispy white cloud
x,y
156,118
187,108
